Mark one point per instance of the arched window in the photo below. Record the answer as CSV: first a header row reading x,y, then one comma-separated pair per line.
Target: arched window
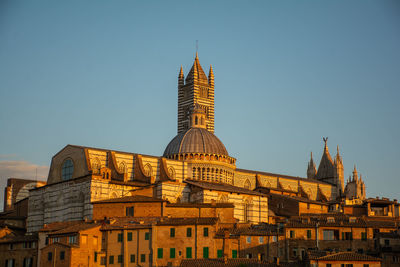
x,y
171,171
147,170
96,166
67,169
247,184
196,120
194,174
201,121
122,167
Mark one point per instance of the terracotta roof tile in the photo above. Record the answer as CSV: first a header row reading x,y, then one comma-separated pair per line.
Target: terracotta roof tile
x,y
230,263
201,205
76,228
188,221
254,230
130,199
18,238
55,226
348,256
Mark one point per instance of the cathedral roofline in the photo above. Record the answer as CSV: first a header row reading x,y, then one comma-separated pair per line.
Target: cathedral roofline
x,y
283,176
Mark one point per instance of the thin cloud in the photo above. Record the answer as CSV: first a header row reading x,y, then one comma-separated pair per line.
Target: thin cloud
x,y
19,169
22,169
7,156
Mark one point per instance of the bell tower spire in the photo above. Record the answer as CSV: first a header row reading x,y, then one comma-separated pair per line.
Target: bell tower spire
x,y
196,93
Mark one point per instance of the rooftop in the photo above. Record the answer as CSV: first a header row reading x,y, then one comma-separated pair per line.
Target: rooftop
x,y
130,199
348,256
223,187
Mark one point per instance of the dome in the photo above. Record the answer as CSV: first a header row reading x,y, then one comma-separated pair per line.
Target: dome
x,y
195,140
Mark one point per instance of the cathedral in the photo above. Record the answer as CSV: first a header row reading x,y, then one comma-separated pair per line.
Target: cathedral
x,y
194,168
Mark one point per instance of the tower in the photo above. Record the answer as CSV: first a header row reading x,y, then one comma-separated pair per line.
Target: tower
x,y
338,164
196,90
311,169
355,187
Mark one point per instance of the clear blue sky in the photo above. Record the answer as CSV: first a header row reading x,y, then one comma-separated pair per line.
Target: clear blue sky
x,y
287,73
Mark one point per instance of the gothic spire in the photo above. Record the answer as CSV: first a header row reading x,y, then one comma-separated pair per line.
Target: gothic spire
x,y
181,73
355,174
311,169
326,165
196,72
338,158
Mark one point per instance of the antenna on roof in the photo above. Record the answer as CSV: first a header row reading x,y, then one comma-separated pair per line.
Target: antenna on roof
x,y
197,46
36,175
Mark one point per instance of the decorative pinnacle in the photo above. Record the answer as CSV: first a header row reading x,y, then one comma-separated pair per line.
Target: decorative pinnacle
x,y
211,73
181,73
326,145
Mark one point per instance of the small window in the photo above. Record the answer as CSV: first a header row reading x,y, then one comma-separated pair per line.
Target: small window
x,y
364,236
49,256
120,237
129,211
205,252
129,236
330,219
248,239
220,254
142,257
28,262
172,232
160,253
328,265
111,260
10,263
387,242
172,253
71,239
95,256
11,246
366,265
234,254
188,253
352,219
205,231
309,234
103,260
189,232
119,258
292,234
261,240
147,236
133,258
62,255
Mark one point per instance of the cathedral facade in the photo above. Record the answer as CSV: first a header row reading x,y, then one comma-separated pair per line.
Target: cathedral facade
x,y
194,168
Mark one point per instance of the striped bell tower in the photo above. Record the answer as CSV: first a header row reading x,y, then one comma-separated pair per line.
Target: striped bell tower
x,y
195,91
